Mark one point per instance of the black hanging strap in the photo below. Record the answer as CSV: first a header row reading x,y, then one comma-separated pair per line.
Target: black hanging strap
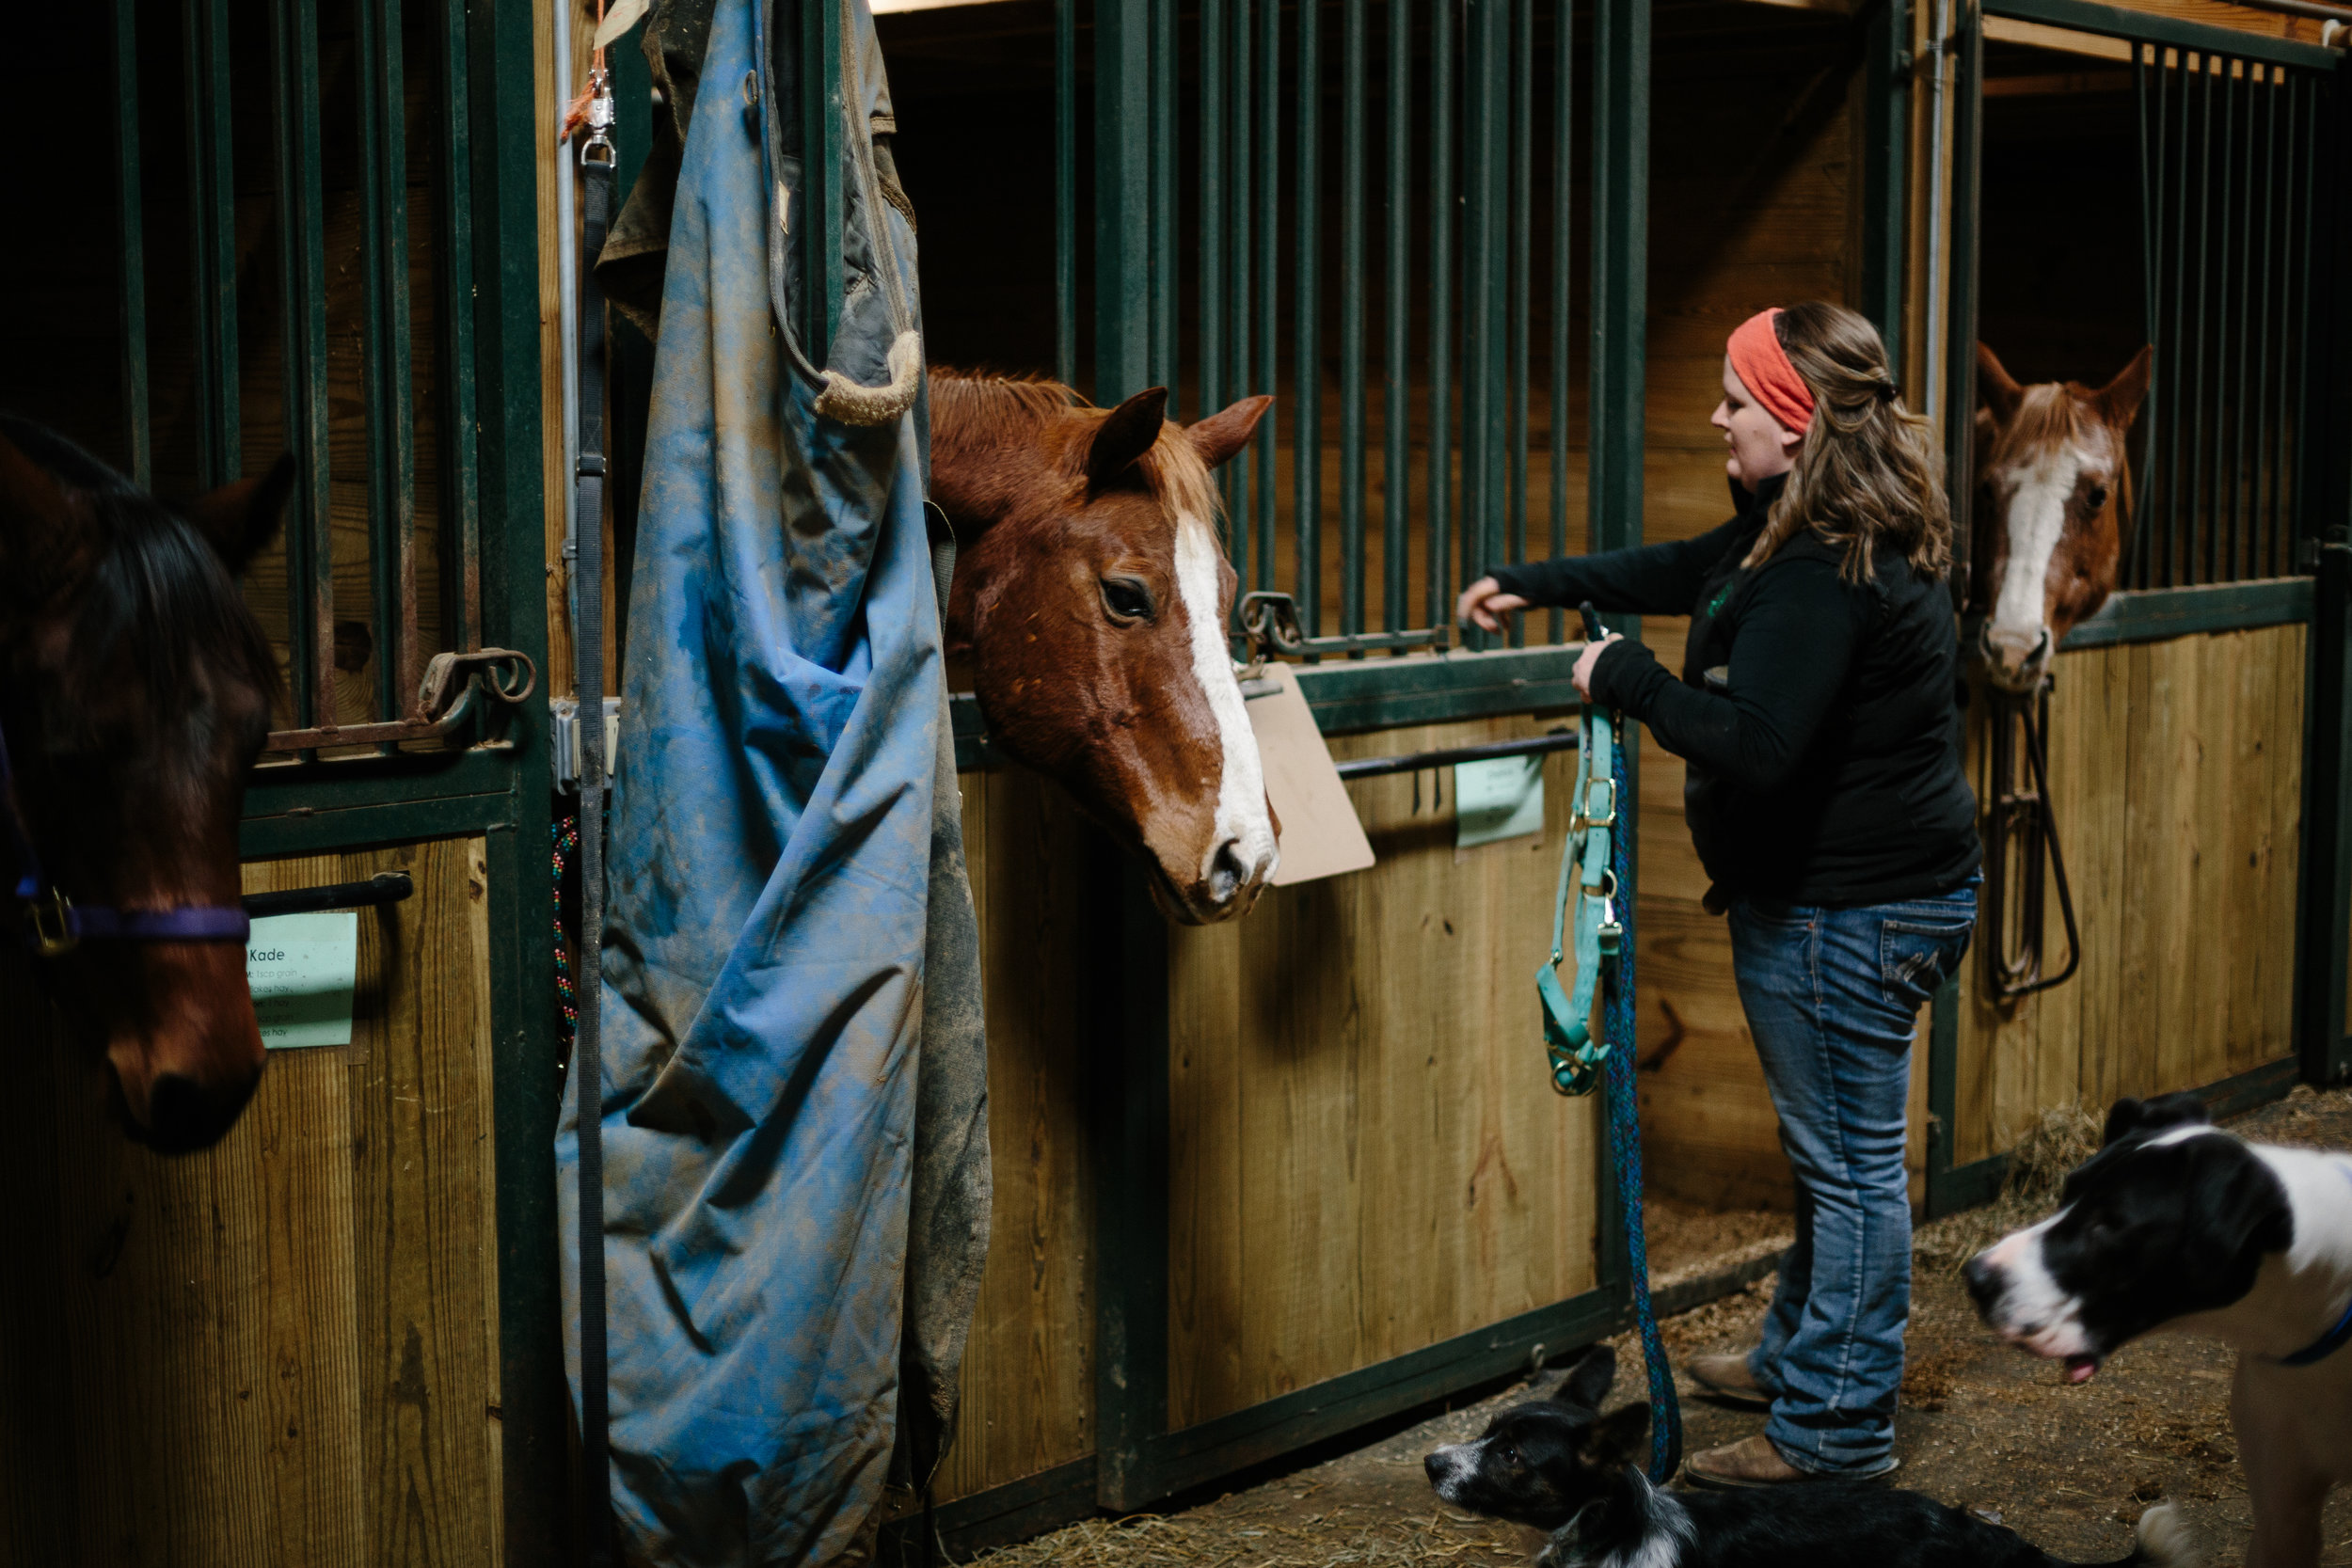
x,y
596,209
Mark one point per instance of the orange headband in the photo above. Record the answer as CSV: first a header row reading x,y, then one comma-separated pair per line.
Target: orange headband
x,y
1763,368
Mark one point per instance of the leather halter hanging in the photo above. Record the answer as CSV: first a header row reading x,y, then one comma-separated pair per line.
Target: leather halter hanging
x,y
55,925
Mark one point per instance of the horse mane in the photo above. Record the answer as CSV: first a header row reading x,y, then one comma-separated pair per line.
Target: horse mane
x,y
973,410
155,583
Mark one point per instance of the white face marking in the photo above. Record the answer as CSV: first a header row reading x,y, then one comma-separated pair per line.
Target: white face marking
x,y
2032,1310
2035,521
1241,809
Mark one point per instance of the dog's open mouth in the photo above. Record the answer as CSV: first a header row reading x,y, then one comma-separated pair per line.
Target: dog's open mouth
x,y
2081,1368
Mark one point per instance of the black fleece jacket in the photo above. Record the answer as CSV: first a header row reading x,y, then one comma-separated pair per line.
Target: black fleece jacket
x,y
1815,714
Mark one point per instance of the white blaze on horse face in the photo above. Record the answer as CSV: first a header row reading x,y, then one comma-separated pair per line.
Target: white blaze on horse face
x,y
2037,495
1242,821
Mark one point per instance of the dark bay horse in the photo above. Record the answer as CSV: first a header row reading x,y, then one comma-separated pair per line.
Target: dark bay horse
x,y
1091,599
135,695
2053,500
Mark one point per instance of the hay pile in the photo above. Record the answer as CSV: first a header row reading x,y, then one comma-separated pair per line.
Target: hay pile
x,y
2062,1137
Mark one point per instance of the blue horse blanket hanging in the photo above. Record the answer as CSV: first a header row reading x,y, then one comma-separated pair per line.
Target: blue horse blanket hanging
x,y
794,1126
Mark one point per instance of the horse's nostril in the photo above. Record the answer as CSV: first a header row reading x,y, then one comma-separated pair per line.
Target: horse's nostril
x,y
184,1115
1227,874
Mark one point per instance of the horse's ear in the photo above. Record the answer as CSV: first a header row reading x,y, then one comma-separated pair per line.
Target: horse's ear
x,y
2119,400
1126,436
1222,434
239,519
30,501
1996,387
43,544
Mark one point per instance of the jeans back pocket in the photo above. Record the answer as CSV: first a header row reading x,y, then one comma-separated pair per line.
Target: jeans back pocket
x,y
1915,956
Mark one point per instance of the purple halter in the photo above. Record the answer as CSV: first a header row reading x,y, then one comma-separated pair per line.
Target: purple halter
x,y
54,925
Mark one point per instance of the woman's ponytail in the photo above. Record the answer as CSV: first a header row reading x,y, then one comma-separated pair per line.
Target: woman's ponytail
x,y
1867,472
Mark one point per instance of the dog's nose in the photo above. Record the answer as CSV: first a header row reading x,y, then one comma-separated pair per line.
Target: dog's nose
x,y
1430,1467
1983,1279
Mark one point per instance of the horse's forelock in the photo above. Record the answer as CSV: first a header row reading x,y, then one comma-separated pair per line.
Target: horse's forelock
x,y
2049,416
1178,477
160,588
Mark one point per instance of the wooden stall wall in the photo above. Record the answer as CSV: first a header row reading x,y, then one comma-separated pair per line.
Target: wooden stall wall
x,y
282,1352
1366,1157
1028,1367
2176,774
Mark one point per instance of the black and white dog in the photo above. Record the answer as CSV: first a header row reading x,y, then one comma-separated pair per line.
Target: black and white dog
x,y
1559,1465
2176,1224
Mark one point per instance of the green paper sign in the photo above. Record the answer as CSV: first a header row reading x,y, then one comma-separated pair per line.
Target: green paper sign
x,y
302,969
1500,797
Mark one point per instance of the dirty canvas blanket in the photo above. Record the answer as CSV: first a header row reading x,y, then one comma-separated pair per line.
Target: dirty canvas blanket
x,y
794,1128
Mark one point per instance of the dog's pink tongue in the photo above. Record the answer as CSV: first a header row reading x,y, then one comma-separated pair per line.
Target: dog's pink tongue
x,y
2081,1368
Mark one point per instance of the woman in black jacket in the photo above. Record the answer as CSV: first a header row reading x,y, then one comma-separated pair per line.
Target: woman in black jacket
x,y
1826,798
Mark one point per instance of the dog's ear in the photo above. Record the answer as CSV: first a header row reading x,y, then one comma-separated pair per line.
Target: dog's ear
x,y
1587,1382
1615,1439
2128,1117
2244,1202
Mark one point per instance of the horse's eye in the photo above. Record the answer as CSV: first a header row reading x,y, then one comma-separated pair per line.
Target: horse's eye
x,y
2098,496
1127,599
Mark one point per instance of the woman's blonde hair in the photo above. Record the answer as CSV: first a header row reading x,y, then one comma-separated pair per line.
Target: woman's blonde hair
x,y
1867,472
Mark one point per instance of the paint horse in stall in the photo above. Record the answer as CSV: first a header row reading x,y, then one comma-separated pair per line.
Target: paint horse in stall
x,y
1090,603
135,697
2053,491
2053,499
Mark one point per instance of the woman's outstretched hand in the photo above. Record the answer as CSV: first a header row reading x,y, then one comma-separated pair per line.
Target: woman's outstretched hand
x,y
1484,604
1582,674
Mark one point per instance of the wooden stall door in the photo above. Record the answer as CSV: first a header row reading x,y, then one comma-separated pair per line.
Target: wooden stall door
x,y
282,1352
2177,777
1366,1153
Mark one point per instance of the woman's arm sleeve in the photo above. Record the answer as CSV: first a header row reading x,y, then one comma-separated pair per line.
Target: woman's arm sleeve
x,y
1649,579
1799,634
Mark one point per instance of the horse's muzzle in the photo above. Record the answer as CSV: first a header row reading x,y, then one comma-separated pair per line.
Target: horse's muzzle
x,y
2011,660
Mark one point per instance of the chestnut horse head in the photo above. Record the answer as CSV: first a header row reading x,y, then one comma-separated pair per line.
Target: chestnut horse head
x,y
2053,497
134,694
1092,597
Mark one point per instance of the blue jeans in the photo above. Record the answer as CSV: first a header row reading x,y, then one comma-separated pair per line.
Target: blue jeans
x,y
1831,996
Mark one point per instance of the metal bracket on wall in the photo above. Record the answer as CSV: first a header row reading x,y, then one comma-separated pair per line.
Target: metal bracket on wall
x,y
564,742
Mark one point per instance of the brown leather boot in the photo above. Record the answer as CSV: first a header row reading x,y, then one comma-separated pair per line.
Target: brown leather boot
x,y
1725,1376
1754,1461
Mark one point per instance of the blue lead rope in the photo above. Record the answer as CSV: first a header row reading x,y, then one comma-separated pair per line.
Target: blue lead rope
x,y
1598,862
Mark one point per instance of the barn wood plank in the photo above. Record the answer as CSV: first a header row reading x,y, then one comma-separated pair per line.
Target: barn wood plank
x,y
493,1380
2243,667
315,1403
40,1410
420,1156
1028,1379
2095,684
1205,1268
2283,865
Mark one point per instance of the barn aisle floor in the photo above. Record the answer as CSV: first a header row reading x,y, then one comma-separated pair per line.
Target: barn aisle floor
x,y
1982,1426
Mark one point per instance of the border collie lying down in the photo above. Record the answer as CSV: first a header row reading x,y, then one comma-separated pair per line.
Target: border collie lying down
x,y
1559,1465
2175,1224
